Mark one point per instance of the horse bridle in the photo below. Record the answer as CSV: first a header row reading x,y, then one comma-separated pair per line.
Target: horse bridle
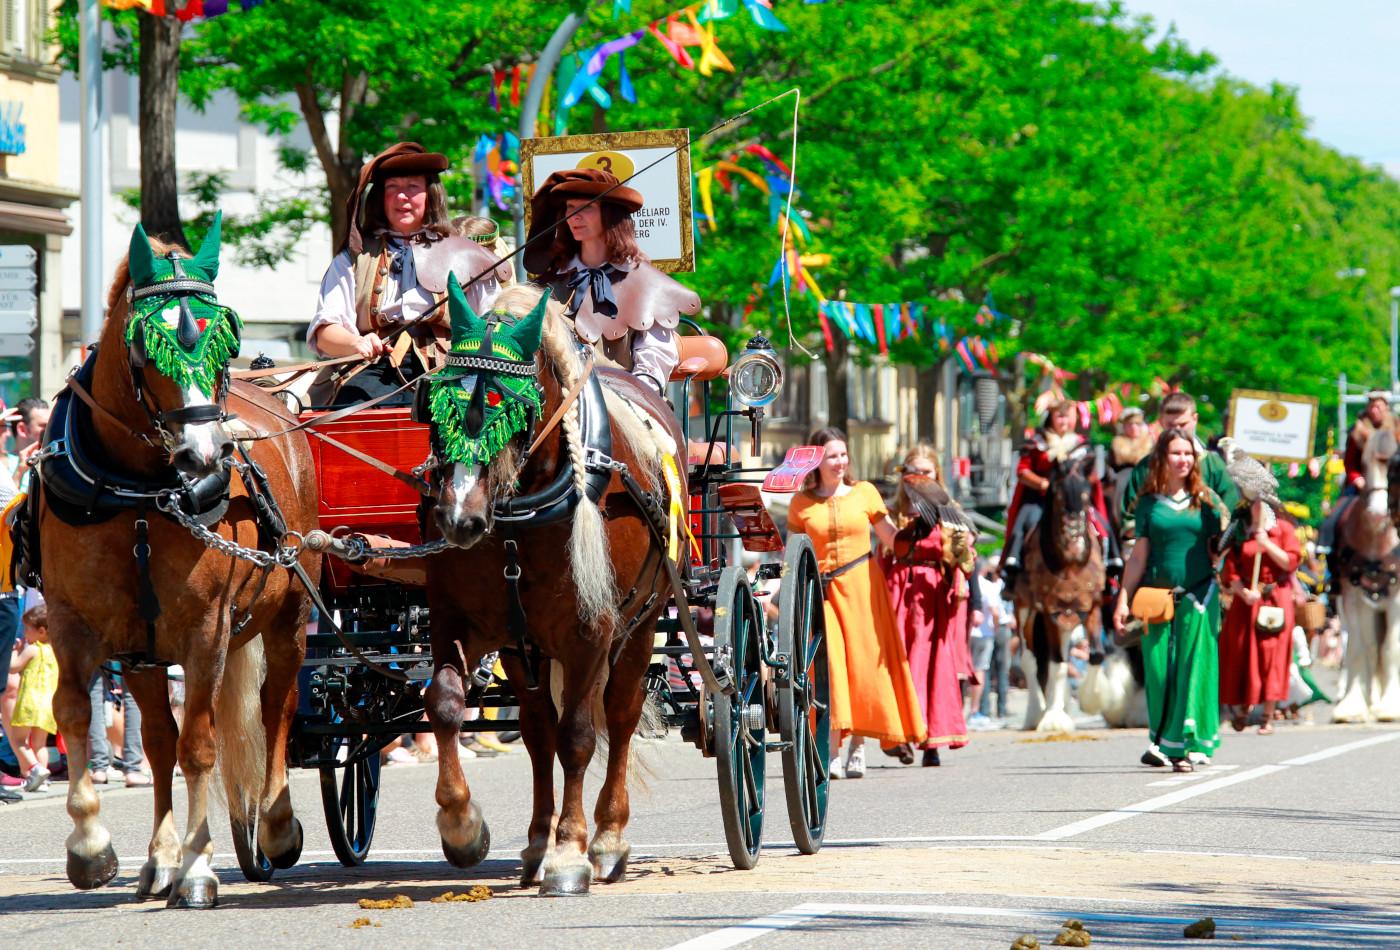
x,y
181,287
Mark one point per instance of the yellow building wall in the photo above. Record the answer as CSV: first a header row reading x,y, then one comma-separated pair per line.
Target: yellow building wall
x,y
39,98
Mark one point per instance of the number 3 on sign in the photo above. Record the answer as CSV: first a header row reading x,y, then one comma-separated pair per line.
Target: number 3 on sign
x,y
613,162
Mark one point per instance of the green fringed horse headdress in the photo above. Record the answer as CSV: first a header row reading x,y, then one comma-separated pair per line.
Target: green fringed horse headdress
x,y
176,321
486,394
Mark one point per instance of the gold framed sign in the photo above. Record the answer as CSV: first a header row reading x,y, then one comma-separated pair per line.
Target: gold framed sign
x,y
1273,427
660,161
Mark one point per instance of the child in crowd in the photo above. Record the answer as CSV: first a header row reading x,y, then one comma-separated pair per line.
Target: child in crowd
x,y
33,720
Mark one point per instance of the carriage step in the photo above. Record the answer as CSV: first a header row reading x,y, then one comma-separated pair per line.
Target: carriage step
x,y
777,746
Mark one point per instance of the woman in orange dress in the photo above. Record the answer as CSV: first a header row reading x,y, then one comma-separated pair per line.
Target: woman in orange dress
x,y
872,692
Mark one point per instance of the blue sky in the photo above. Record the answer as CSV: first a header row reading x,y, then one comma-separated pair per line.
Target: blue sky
x,y
1343,56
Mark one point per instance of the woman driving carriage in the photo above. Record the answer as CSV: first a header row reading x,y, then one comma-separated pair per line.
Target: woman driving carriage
x,y
615,299
372,286
1053,442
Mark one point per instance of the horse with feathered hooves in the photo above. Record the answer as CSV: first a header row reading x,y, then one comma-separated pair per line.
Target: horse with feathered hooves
x,y
1061,589
147,441
1368,563
555,563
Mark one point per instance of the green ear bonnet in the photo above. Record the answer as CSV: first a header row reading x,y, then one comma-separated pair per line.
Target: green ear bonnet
x,y
183,330
486,394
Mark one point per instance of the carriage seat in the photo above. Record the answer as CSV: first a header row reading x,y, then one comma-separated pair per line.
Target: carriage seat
x,y
702,359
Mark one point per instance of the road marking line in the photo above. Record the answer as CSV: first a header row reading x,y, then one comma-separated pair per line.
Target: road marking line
x,y
1153,804
1229,854
804,913
750,930
1312,757
1205,772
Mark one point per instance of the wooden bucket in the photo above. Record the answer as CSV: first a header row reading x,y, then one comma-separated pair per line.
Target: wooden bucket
x,y
1312,616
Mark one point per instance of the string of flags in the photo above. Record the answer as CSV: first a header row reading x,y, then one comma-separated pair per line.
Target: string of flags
x,y
495,161
185,10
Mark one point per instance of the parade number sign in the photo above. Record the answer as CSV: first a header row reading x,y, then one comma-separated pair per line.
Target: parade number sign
x,y
1273,427
660,162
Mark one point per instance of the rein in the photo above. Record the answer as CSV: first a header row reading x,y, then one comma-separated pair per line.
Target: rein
x,y
569,399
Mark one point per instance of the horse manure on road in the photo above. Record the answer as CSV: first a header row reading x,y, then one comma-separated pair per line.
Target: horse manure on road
x,y
478,893
1203,929
362,922
1073,934
397,902
1026,942
1059,737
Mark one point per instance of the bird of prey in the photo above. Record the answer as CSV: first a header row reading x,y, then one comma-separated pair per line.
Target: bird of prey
x,y
1252,477
931,502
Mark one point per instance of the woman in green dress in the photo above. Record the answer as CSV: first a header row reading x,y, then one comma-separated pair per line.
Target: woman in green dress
x,y
1178,521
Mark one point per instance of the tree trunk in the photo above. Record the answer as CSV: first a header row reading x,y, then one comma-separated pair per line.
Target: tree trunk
x,y
341,181
929,381
838,406
159,95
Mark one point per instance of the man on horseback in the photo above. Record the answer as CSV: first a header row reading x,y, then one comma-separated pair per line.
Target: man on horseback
x,y
615,299
1052,443
1374,417
374,292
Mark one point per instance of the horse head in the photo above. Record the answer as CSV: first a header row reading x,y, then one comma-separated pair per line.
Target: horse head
x,y
175,324
1381,489
1070,498
483,405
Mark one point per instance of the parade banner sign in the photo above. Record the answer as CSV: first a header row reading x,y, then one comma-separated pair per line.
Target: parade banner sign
x,y
659,159
1273,427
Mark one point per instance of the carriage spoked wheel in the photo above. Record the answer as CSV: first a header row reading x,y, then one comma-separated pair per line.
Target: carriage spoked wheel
x,y
739,720
350,799
251,860
804,694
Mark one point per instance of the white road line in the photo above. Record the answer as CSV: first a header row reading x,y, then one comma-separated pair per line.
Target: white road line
x,y
1152,804
1230,854
750,930
1328,753
804,913
1192,776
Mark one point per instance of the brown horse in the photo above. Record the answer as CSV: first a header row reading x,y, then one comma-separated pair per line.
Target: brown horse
x,y
568,529
125,580
1062,588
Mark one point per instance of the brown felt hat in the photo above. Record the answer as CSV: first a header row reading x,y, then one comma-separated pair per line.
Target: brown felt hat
x,y
401,158
547,205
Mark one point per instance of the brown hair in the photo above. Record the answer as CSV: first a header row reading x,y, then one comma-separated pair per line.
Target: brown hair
x,y
619,235
822,437
1158,477
923,451
435,217
1057,407
1177,403
37,617
475,225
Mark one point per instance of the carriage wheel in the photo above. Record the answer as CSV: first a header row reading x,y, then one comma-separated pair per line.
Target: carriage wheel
x,y
350,799
804,714
739,737
251,860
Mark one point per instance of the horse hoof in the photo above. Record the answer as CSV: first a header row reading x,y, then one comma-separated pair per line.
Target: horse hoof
x,y
571,881
471,855
531,872
199,894
156,881
88,873
610,866
290,857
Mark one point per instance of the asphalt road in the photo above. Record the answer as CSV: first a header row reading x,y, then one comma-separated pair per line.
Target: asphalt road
x,y
1291,840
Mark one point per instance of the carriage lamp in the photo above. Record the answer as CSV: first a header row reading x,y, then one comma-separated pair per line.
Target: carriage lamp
x,y
756,377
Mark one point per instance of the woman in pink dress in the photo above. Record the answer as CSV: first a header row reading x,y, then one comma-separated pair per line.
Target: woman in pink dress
x,y
927,576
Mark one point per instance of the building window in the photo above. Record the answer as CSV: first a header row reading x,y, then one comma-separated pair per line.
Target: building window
x,y
22,26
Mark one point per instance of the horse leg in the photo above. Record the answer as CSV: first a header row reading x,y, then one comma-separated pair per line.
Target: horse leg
x,y
1388,670
158,735
465,837
623,703
539,725
196,886
1056,718
568,871
1031,648
279,831
1355,702
92,862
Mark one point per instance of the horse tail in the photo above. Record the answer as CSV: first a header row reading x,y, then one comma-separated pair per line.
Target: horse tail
x,y
588,542
651,723
242,744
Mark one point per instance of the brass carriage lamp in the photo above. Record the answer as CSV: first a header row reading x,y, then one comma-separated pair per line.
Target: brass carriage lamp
x,y
755,380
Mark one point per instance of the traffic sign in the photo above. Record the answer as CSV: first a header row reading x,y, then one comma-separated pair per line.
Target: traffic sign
x,y
16,345
18,321
18,278
17,255
19,300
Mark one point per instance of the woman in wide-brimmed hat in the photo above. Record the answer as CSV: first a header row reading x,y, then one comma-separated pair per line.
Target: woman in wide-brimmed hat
x,y
587,253
372,286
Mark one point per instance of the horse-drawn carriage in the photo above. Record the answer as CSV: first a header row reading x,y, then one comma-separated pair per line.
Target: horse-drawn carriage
x,y
769,678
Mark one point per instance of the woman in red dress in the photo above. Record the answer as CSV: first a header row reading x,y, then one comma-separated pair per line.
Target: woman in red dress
x,y
927,576
1254,656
